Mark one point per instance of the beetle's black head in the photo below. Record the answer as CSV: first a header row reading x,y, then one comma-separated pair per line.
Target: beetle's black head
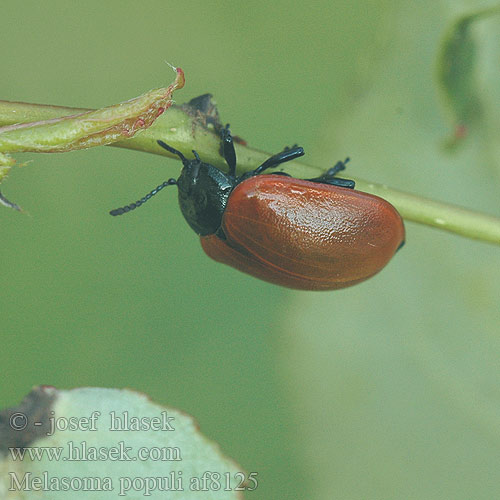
x,y
203,191
203,194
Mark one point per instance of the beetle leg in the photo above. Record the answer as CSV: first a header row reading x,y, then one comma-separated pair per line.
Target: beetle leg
x,y
335,181
227,149
286,155
329,176
338,167
282,173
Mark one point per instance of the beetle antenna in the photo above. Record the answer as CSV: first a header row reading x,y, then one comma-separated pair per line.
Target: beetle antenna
x,y
138,203
173,151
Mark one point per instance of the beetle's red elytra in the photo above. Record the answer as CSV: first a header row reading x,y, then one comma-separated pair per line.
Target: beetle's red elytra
x,y
306,234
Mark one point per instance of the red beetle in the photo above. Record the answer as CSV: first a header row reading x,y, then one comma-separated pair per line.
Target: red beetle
x,y
315,234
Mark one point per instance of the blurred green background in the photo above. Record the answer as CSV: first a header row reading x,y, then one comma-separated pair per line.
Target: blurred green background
x,y
390,389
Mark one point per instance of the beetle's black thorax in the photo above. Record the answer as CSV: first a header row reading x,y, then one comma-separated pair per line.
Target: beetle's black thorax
x,y
203,194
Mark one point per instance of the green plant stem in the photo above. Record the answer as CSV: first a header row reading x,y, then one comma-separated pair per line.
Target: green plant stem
x,y
185,131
